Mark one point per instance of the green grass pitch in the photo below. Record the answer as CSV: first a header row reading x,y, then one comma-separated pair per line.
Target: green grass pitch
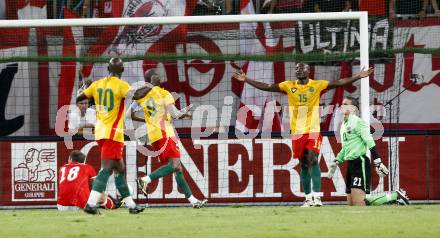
x,y
278,221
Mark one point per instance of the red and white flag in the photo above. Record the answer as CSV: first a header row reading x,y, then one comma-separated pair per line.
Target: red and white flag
x,y
137,40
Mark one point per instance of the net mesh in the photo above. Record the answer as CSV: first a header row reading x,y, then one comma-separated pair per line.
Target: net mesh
x,y
196,61
44,67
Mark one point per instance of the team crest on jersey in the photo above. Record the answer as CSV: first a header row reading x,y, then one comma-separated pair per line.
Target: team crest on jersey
x,y
311,89
293,90
349,129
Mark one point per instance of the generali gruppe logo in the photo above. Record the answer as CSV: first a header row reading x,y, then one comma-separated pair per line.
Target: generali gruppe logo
x,y
34,171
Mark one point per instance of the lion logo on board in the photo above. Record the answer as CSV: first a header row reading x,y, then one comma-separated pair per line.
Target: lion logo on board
x,y
34,171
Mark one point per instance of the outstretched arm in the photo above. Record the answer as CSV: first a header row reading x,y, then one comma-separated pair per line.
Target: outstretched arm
x,y
241,76
345,81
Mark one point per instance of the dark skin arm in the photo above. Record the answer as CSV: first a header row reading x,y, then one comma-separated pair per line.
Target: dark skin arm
x,y
134,117
241,76
179,114
141,92
346,81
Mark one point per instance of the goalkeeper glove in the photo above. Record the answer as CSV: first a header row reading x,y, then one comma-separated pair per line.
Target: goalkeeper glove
x,y
381,169
332,169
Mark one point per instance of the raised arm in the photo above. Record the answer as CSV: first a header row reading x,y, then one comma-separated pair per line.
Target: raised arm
x,y
241,76
345,81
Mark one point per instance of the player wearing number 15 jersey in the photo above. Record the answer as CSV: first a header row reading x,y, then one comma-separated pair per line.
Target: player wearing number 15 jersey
x,y
303,97
109,94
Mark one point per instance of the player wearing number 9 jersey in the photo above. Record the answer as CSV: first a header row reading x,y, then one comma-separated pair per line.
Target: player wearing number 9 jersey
x,y
109,95
158,106
303,98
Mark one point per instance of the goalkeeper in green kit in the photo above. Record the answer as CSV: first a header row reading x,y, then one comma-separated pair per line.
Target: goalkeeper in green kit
x,y
356,139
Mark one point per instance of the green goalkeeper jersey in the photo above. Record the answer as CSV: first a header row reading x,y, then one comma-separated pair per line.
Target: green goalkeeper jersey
x,y
356,139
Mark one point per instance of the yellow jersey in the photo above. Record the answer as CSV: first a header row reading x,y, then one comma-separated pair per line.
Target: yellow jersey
x,y
109,94
304,104
157,118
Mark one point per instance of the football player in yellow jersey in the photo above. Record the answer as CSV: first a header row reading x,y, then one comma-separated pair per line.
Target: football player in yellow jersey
x,y
158,106
303,98
109,94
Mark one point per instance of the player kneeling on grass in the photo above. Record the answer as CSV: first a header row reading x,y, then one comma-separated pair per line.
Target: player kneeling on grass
x,y
74,188
356,139
158,106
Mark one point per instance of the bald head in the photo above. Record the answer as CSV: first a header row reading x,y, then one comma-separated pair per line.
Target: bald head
x,y
151,76
302,71
116,66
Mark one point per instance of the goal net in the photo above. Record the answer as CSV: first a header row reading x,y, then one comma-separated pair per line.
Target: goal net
x,y
196,58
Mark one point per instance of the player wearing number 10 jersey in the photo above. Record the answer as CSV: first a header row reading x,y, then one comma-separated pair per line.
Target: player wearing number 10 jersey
x,y
303,98
109,94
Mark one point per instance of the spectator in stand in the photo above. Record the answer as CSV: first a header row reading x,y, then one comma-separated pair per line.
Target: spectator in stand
x,y
86,9
209,7
433,8
81,117
332,5
399,8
